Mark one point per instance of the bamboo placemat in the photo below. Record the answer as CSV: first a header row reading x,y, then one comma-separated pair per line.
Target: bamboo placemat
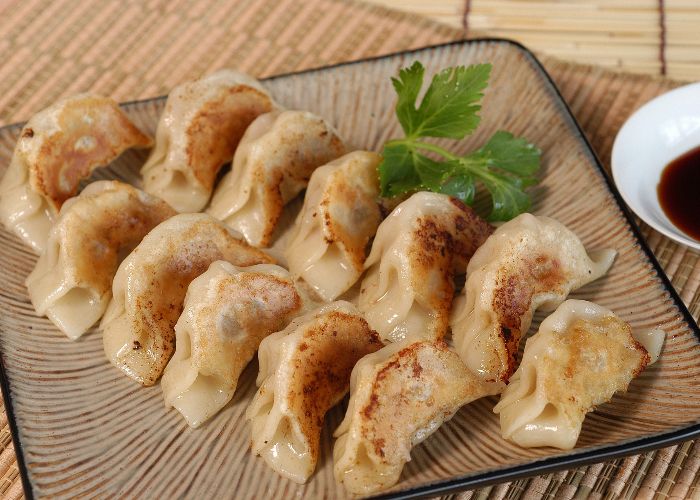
x,y
643,36
133,49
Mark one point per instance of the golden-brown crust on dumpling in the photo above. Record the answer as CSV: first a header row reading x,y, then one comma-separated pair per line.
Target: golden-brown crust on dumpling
x,y
273,163
164,305
254,286
93,232
198,132
296,172
337,343
440,250
399,396
593,336
517,284
528,263
228,311
150,286
58,148
215,131
341,213
91,132
472,232
580,357
353,240
304,371
409,286
393,394
117,230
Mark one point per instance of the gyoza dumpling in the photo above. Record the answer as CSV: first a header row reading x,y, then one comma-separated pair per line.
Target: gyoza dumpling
x,y
528,263
408,289
304,371
72,280
581,356
399,396
150,286
199,130
59,147
273,163
339,216
227,312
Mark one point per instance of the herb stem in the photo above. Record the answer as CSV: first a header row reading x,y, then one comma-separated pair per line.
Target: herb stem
x,y
434,148
426,146
465,163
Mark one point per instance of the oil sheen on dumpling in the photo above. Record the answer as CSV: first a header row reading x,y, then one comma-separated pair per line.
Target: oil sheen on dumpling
x,y
409,286
528,263
399,396
339,216
304,371
228,310
199,130
273,163
150,286
581,356
72,280
57,148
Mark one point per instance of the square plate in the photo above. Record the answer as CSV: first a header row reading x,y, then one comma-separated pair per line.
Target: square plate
x,y
83,429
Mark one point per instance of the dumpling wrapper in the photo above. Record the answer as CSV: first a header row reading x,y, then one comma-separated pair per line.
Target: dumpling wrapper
x,y
72,280
339,217
58,148
528,263
138,328
409,286
399,396
272,164
304,371
581,356
198,132
228,310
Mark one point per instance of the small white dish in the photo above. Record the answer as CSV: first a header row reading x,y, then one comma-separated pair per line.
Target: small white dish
x,y
656,134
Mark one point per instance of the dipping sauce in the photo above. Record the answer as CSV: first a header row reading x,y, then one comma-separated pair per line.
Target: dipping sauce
x,y
679,192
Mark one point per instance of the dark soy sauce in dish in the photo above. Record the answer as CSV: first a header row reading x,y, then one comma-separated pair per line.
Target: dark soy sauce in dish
x,y
679,192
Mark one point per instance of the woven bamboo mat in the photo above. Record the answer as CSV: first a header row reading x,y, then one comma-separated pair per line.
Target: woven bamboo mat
x,y
133,49
643,36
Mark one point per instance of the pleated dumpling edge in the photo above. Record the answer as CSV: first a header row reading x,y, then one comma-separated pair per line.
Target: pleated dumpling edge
x,y
198,132
58,148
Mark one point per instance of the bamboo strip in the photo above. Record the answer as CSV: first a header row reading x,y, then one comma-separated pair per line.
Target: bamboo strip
x,y
568,25
15,491
7,480
7,459
620,34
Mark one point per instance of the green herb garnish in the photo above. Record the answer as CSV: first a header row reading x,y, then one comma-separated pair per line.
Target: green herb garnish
x,y
505,165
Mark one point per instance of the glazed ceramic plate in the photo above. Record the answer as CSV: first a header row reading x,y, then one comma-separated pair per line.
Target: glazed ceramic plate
x,y
83,429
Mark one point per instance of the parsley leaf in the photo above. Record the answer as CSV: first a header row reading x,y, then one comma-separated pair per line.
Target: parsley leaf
x,y
512,154
407,86
397,172
460,186
449,107
505,165
509,199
